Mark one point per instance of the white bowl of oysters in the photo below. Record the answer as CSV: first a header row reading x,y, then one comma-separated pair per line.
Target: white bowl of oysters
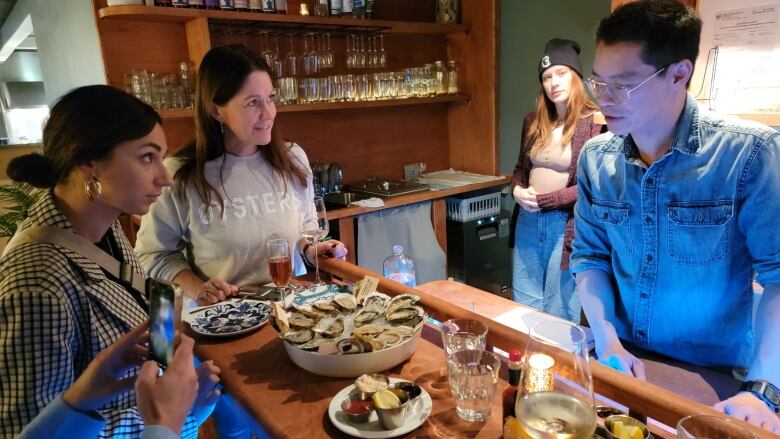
x,y
338,332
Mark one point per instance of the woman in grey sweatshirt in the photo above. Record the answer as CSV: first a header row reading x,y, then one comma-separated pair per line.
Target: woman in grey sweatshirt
x,y
236,186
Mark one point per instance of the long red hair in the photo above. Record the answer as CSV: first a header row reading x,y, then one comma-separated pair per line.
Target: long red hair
x,y
579,106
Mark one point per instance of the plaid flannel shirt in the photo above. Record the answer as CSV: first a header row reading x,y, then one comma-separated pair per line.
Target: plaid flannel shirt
x,y
58,309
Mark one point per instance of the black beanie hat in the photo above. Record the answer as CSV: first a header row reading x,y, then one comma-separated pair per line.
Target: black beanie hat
x,y
561,52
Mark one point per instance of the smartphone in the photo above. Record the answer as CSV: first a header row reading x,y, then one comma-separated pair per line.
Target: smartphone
x,y
162,296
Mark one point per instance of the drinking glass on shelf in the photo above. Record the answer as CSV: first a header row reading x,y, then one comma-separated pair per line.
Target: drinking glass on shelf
x,y
555,396
310,56
382,53
291,60
314,234
706,426
280,265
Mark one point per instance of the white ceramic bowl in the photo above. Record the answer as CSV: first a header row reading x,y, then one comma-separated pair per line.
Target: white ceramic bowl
x,y
353,365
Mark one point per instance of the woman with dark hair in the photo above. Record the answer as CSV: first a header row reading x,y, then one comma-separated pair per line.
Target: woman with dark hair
x,y
544,183
236,186
102,155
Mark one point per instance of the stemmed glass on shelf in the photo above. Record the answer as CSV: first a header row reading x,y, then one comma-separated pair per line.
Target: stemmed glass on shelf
x,y
555,396
280,265
314,234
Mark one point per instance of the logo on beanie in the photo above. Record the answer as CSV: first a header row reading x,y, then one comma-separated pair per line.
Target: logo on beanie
x,y
545,61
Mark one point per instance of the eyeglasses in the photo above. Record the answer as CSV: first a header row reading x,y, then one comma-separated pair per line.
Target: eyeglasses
x,y
620,94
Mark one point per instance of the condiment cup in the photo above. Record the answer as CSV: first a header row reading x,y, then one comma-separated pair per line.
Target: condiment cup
x,y
411,389
385,381
357,418
627,420
394,418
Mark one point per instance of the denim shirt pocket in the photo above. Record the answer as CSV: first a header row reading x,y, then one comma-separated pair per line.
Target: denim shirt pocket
x,y
699,231
615,219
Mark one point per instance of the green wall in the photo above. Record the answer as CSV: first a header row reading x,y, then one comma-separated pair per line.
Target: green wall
x,y
526,25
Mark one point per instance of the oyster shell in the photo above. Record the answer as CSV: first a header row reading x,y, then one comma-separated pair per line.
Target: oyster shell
x,y
402,301
402,314
390,338
308,311
326,305
345,301
300,321
350,346
299,337
368,314
330,327
404,331
376,345
314,343
380,299
369,330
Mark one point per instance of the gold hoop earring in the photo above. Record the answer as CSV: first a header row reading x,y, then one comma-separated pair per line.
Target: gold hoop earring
x,y
222,127
93,190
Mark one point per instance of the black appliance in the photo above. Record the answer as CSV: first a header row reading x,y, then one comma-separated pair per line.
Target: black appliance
x,y
478,253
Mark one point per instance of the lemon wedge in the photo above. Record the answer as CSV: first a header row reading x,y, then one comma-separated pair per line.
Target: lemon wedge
x,y
385,399
626,431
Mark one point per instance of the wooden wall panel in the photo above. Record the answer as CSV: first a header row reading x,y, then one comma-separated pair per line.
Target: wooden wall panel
x,y
376,141
178,132
473,127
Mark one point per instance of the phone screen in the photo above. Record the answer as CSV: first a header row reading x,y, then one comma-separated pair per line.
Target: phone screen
x,y
162,296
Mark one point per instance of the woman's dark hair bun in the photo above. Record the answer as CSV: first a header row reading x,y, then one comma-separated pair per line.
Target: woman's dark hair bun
x,y
32,169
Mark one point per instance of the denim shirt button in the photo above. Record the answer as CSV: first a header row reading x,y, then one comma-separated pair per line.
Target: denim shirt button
x,y
649,258
643,296
648,220
641,334
650,181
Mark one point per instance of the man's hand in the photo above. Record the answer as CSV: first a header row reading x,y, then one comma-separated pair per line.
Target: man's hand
x,y
215,290
747,407
102,379
618,358
167,400
526,198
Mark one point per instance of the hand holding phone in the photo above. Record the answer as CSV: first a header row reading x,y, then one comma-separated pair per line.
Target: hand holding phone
x,y
162,296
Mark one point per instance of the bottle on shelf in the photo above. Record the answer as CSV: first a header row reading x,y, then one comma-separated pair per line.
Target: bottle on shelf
x,y
452,78
241,5
198,4
346,8
226,5
180,3
321,8
280,6
359,9
255,5
369,9
269,7
510,393
212,4
335,8
400,267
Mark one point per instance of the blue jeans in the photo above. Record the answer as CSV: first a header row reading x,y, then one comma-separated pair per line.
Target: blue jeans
x,y
537,278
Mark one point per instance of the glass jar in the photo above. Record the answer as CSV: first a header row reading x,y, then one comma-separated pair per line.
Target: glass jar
x,y
439,78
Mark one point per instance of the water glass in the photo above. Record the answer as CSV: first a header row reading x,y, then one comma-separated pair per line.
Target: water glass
x,y
463,334
706,426
473,377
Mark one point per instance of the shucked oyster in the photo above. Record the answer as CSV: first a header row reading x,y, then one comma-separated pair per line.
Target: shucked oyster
x,y
330,327
298,320
345,301
402,301
308,311
403,314
353,346
367,314
380,299
326,305
389,338
298,337
370,330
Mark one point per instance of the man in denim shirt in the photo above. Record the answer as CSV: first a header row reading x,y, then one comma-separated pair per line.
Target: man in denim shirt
x,y
677,207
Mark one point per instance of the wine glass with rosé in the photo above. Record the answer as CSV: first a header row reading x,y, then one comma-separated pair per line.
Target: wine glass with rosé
x,y
280,265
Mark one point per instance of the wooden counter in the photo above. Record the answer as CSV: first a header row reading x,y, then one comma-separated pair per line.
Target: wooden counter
x,y
674,389
346,216
291,403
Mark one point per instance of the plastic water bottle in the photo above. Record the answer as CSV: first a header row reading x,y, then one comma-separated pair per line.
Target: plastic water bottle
x,y
400,267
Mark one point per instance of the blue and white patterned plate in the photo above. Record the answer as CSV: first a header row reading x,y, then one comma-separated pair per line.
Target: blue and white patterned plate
x,y
228,319
314,294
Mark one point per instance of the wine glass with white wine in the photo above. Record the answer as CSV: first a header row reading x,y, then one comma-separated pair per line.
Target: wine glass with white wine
x,y
555,397
314,234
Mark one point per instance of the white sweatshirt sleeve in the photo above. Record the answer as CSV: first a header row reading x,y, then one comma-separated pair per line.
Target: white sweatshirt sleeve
x,y
160,242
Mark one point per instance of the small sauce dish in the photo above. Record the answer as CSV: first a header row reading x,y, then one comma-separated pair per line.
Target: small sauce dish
x,y
358,407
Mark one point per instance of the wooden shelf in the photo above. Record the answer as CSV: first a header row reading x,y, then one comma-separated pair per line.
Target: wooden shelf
x,y
771,119
182,113
183,15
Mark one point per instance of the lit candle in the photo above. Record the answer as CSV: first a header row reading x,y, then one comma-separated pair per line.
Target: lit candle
x,y
540,376
304,9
